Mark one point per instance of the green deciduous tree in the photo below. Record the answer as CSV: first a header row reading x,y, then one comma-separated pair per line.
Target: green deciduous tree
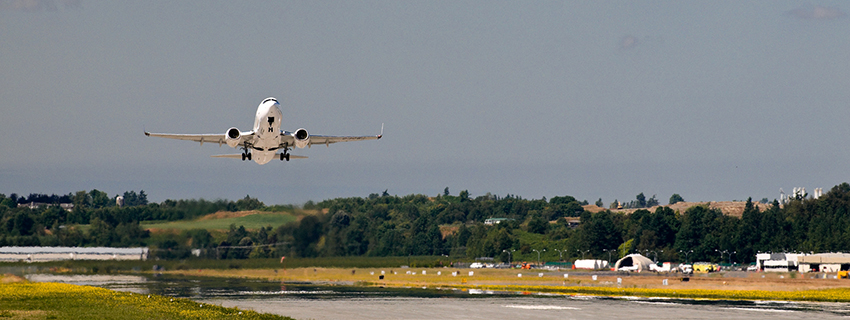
x,y
676,198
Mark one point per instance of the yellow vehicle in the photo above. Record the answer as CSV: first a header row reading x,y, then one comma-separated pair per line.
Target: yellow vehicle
x,y
843,274
705,267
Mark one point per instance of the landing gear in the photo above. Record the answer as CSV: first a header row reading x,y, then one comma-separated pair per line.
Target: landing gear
x,y
245,154
285,154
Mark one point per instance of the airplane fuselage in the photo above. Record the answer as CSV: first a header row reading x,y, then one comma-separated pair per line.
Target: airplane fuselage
x,y
267,128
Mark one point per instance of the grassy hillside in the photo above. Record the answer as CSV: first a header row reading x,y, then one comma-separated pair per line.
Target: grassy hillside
x,y
222,221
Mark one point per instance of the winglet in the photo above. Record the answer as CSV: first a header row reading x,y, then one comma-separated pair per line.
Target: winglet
x,y
382,131
146,132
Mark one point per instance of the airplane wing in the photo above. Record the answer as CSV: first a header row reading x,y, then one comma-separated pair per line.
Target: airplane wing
x,y
239,156
202,138
320,139
287,138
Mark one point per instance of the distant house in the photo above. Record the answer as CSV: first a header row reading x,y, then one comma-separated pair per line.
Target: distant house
x,y
36,205
573,222
494,221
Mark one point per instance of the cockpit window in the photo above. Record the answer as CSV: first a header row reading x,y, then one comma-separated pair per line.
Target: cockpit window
x,y
269,99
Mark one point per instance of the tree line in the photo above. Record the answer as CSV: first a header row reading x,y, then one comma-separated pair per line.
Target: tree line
x,y
386,225
95,219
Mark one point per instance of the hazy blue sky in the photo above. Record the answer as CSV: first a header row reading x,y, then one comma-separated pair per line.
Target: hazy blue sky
x,y
714,100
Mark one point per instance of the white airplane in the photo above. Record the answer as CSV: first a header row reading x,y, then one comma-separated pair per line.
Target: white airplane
x,y
263,143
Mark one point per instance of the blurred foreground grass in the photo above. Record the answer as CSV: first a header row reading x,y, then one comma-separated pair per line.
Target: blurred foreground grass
x,y
26,300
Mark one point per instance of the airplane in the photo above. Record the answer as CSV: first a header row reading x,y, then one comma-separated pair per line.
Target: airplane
x,y
266,141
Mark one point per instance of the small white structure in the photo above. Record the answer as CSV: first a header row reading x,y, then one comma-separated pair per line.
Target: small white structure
x,y
495,221
818,193
665,267
779,266
34,254
777,262
634,263
590,264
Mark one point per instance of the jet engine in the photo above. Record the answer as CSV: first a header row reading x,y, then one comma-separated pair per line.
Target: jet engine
x,y
302,138
233,137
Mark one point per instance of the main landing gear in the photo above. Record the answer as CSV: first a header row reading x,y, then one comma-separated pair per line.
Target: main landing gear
x,y
285,154
245,154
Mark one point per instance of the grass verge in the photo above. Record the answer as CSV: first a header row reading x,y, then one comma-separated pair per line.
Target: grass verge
x,y
578,283
823,295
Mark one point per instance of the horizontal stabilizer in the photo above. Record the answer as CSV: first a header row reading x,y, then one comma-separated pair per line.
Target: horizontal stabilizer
x,y
232,156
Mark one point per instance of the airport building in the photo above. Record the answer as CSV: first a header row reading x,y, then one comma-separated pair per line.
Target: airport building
x,y
824,262
777,262
819,262
36,254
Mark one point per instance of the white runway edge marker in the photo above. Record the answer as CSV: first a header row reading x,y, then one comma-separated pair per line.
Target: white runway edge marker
x,y
539,307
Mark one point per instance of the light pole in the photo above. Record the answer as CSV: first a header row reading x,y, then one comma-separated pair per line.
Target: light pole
x,y
582,253
510,261
560,254
654,254
609,254
686,254
727,253
538,256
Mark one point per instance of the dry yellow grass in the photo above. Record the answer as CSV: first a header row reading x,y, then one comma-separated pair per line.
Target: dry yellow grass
x,y
729,208
752,286
10,278
497,277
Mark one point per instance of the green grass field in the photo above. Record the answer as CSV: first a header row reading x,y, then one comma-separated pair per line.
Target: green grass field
x,y
254,221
